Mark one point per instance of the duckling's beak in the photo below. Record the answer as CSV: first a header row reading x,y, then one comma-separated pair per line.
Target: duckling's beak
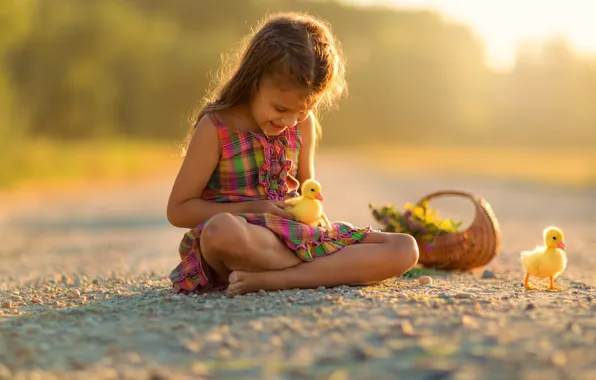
x,y
320,197
562,245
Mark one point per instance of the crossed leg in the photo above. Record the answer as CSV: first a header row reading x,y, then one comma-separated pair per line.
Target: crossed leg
x,y
256,259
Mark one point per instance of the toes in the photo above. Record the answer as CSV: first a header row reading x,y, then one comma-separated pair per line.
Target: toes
x,y
231,292
236,285
233,277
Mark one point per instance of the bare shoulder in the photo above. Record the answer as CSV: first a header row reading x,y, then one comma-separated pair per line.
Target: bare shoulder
x,y
203,148
205,133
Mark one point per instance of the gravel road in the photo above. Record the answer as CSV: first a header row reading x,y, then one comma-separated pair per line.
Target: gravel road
x,y
84,294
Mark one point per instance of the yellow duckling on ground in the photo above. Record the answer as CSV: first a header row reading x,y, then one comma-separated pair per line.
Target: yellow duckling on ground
x,y
308,207
546,261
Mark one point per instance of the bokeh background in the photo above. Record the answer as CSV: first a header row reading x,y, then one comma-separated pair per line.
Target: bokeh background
x,y
105,89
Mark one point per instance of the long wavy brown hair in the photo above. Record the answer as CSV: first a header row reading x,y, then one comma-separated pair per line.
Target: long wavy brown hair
x,y
296,45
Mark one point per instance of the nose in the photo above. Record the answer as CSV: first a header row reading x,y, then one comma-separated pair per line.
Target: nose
x,y
289,121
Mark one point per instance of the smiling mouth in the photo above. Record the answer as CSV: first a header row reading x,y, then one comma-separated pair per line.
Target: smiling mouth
x,y
276,126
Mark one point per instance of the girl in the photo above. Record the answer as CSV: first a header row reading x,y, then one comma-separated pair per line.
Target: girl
x,y
251,147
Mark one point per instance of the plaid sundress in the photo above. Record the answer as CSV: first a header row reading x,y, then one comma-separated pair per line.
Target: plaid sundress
x,y
253,166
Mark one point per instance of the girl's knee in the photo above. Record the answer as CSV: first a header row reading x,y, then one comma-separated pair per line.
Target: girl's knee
x,y
405,247
222,234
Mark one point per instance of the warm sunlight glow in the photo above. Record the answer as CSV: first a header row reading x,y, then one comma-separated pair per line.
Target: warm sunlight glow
x,y
504,24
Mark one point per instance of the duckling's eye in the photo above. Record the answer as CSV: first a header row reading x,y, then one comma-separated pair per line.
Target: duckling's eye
x,y
312,189
554,238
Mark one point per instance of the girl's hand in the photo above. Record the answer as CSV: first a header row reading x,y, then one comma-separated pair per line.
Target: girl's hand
x,y
269,207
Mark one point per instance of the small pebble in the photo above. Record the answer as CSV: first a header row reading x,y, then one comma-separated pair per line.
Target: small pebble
x,y
45,346
73,294
7,304
134,357
558,359
530,306
407,328
574,328
425,280
224,353
468,321
488,274
199,368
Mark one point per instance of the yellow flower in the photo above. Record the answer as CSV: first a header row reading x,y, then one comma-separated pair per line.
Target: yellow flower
x,y
418,212
446,225
431,214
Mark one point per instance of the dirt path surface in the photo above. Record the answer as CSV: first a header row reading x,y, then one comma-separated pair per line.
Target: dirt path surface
x,y
84,294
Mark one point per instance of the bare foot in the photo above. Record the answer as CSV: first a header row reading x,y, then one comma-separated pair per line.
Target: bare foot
x,y
245,282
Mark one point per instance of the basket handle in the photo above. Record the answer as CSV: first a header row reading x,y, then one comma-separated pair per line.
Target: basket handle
x,y
447,192
463,234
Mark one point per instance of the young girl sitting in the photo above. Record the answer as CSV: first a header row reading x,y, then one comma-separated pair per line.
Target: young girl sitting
x,y
251,147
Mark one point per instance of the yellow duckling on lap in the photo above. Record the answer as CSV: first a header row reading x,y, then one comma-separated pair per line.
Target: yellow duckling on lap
x,y
308,207
545,261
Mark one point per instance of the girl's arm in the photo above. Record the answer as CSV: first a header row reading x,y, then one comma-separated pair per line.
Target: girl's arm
x,y
306,156
185,208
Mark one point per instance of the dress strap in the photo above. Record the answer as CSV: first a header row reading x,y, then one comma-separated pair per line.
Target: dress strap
x,y
222,130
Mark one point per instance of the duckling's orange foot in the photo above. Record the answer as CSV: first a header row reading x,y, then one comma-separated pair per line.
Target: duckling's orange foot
x,y
552,285
527,283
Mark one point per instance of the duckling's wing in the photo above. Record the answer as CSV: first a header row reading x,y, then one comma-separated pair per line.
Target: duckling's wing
x,y
529,257
293,201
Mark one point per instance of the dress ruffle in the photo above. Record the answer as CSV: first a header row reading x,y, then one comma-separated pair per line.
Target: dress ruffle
x,y
275,148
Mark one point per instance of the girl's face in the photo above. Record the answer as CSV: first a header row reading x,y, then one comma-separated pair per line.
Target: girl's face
x,y
276,107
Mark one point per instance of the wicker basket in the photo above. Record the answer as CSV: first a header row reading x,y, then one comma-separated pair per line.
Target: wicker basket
x,y
468,249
